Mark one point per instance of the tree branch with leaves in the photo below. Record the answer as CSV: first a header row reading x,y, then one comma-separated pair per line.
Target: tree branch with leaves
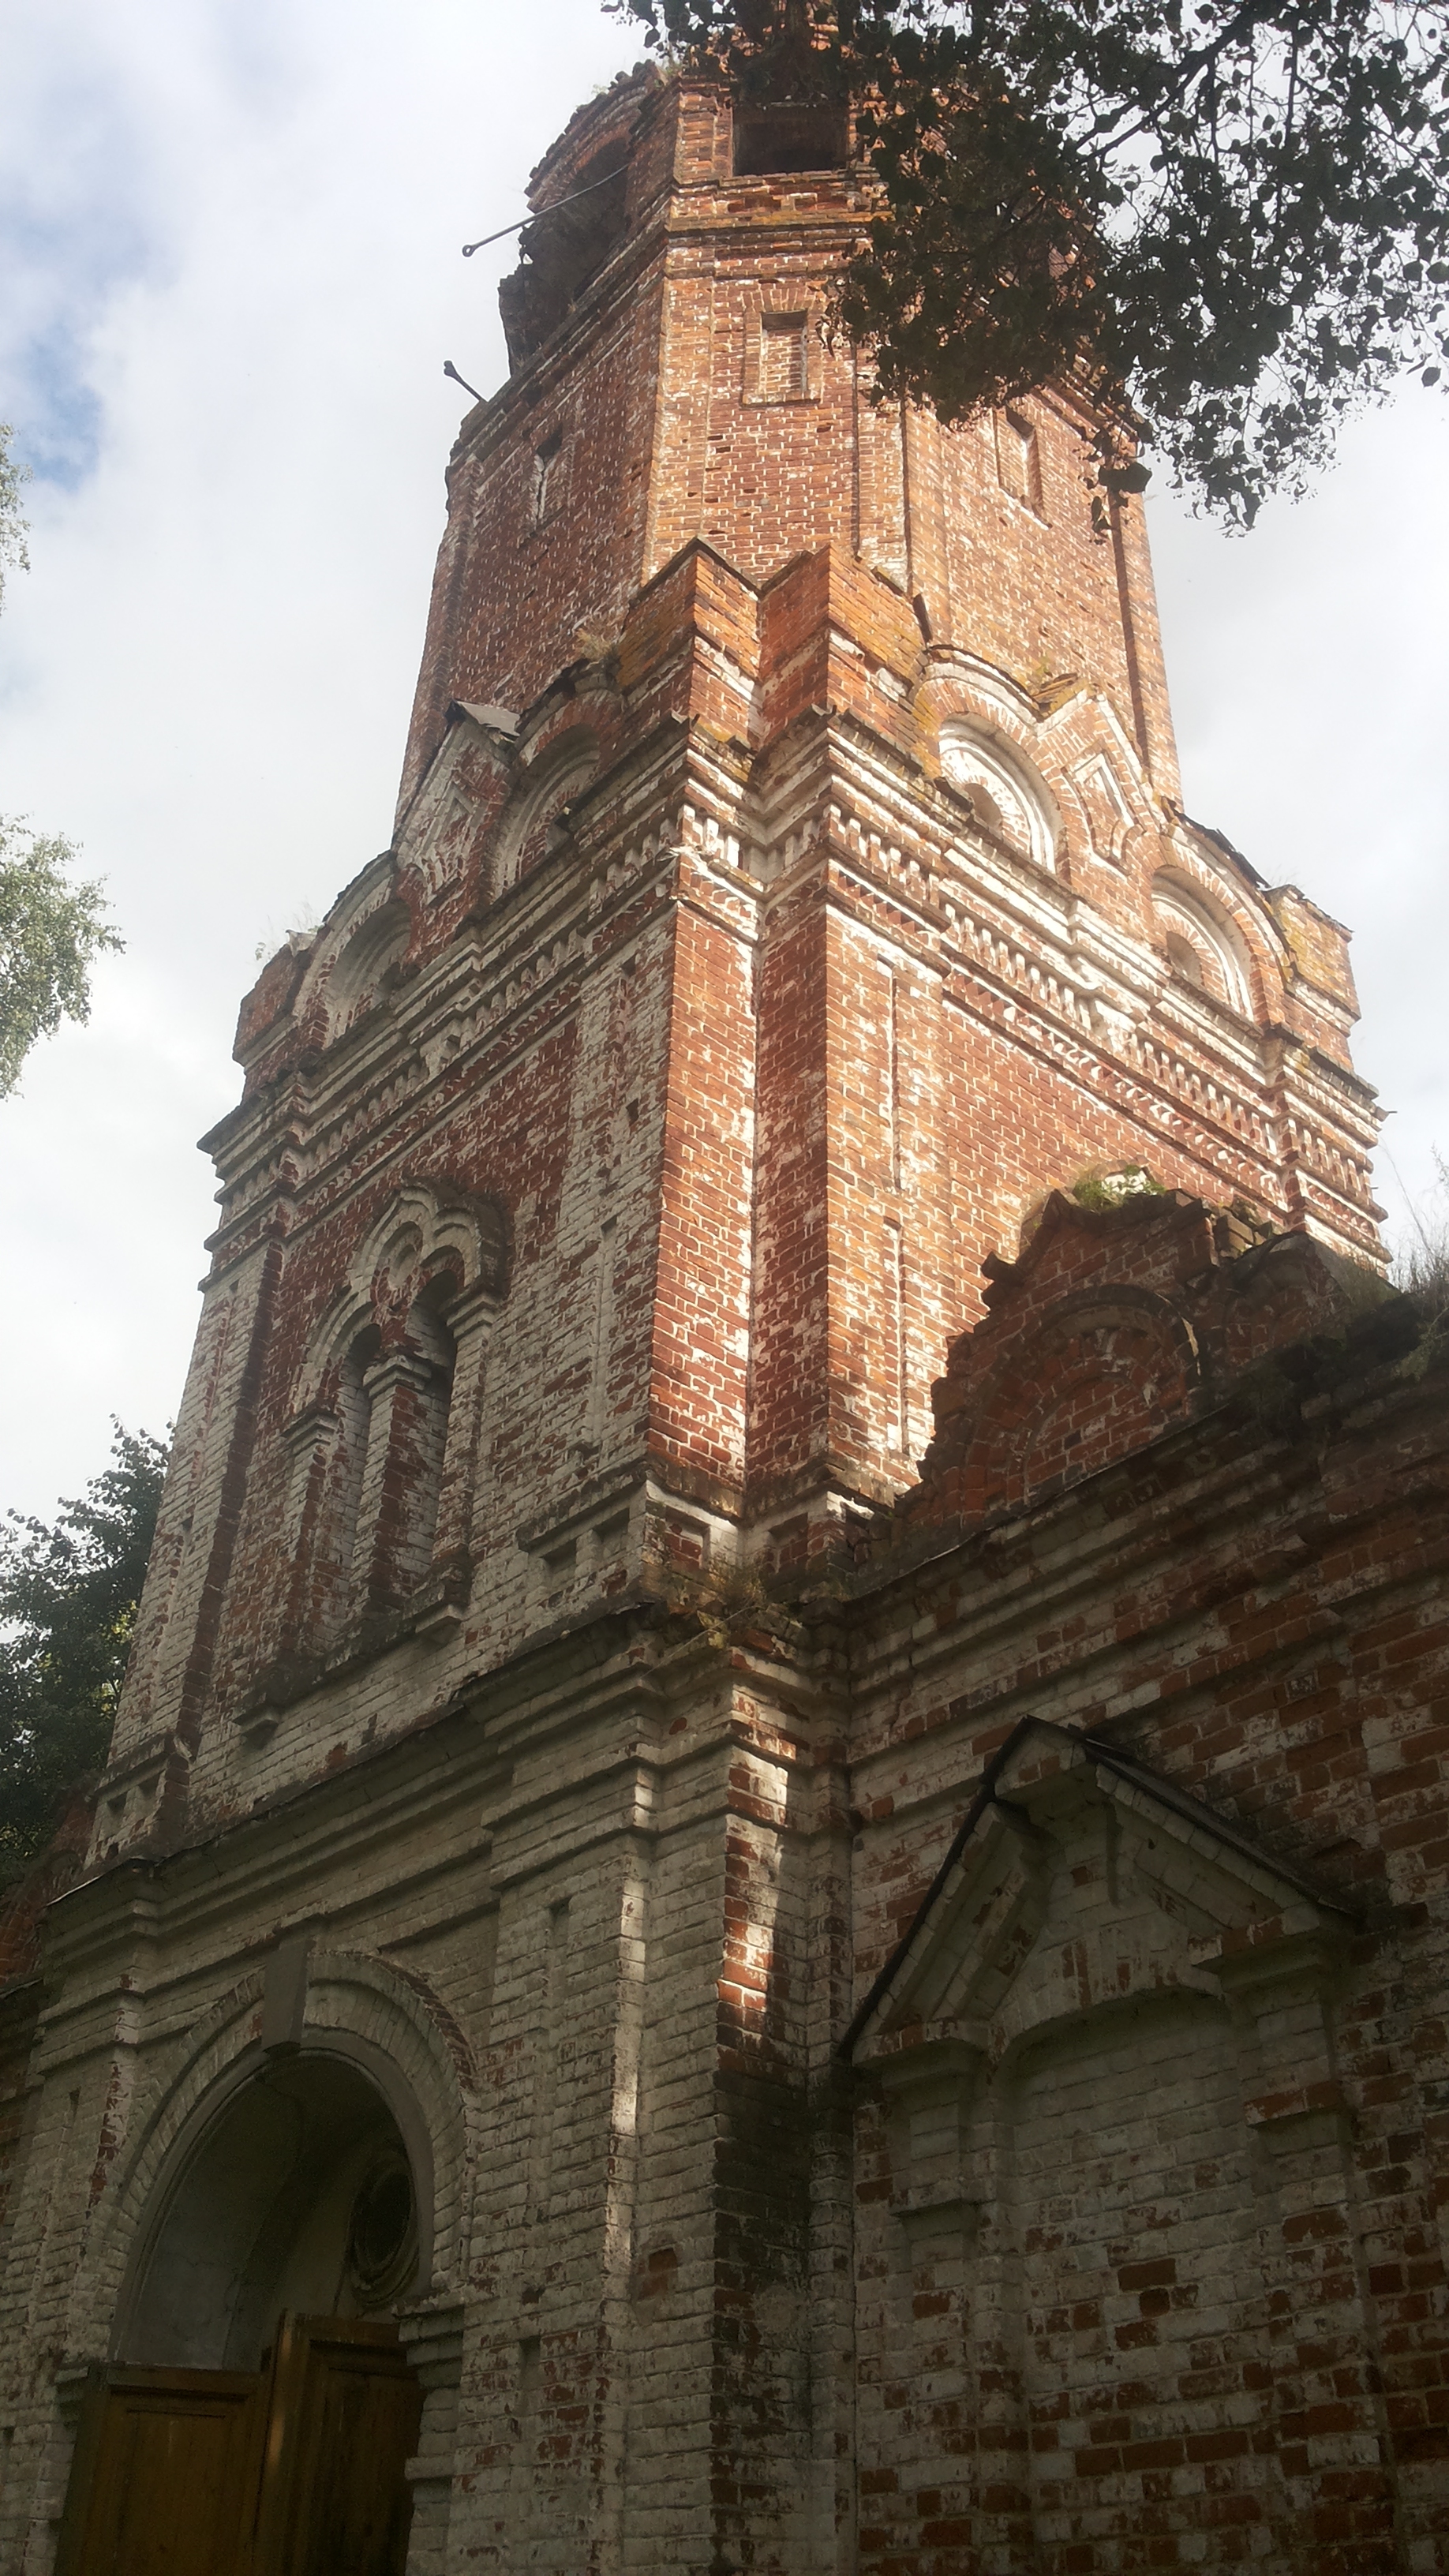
x,y
13,531
1227,224
51,929
68,1598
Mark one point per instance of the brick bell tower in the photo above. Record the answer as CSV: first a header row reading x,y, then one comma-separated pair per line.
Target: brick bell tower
x,y
789,889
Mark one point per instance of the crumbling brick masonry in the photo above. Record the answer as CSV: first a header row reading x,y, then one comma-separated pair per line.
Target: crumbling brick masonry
x,y
776,1850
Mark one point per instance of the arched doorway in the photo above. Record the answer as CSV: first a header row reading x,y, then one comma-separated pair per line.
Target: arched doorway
x,y
259,2412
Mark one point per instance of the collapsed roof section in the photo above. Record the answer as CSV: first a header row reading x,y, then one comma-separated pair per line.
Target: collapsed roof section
x,y
579,197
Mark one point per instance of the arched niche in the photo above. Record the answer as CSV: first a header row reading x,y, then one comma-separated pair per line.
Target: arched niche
x,y
1008,799
363,969
1203,948
534,820
382,1439
292,2187
1109,1370
435,1241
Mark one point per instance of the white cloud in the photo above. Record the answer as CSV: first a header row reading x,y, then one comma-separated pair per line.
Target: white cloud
x,y
237,230
232,253
1309,665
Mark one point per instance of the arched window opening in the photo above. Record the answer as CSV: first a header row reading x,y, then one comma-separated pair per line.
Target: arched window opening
x,y
409,1388
543,477
349,1464
550,832
563,247
422,1435
535,823
384,1439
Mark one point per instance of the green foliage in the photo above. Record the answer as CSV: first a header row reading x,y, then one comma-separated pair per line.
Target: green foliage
x,y
12,520
1099,1189
1225,221
68,1597
50,930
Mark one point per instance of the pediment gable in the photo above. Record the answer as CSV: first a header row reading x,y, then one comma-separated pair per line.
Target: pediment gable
x,y
1081,1881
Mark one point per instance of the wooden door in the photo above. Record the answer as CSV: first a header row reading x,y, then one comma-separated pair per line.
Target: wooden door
x,y
342,2422
297,2470
165,2474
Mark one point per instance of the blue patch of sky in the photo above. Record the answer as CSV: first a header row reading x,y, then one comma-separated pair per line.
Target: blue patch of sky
x,y
57,415
72,232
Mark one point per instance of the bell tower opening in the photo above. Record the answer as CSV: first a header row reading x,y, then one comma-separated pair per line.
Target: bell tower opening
x,y
789,134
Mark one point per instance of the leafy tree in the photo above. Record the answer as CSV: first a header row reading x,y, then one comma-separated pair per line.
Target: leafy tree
x,y
50,930
1227,220
12,521
68,1597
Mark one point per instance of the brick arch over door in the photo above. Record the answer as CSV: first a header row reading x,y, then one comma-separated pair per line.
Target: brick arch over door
x,y
345,2003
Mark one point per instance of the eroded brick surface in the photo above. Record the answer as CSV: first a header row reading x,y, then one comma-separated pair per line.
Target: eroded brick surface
x,y
860,1739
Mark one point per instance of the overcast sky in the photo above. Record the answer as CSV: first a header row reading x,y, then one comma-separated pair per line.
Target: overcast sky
x,y
229,241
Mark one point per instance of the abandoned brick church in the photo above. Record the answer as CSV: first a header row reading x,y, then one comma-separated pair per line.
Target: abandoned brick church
x,y
771,1894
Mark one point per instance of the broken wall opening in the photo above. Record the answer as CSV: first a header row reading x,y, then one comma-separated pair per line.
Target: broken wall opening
x,y
784,135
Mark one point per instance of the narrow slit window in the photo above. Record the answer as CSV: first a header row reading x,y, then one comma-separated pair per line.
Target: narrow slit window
x,y
1018,458
386,1480
545,458
784,369
424,1439
337,1537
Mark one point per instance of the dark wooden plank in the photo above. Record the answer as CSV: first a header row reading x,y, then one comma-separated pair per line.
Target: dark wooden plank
x,y
343,2422
165,2476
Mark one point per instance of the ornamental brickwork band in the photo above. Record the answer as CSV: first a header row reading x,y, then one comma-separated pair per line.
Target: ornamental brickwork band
x,y
771,1893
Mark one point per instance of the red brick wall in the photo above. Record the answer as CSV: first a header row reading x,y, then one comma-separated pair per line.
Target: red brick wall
x,y
762,1054
1191,2309
653,398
